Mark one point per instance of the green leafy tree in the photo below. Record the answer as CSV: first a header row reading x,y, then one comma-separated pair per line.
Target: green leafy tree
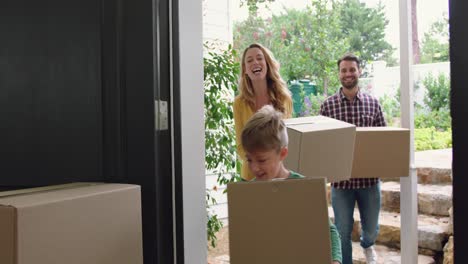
x,y
221,71
327,44
435,44
365,29
253,29
278,34
306,42
436,113
253,4
290,43
438,92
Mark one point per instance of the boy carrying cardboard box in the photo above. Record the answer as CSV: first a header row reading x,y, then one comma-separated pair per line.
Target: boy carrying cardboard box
x,y
265,141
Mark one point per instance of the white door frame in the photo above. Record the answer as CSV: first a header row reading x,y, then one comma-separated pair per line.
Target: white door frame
x,y
191,83
192,130
408,191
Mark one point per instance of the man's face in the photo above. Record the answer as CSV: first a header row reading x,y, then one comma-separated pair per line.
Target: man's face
x,y
266,165
349,74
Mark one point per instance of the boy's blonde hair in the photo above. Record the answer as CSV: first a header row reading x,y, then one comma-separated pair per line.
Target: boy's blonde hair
x,y
265,131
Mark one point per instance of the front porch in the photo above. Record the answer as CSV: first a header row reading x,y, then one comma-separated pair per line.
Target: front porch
x,y
434,171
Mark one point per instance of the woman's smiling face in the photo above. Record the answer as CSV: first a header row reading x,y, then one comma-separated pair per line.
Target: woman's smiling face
x,y
255,65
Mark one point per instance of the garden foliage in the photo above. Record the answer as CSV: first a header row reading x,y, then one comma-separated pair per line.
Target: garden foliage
x,y
308,42
435,43
221,72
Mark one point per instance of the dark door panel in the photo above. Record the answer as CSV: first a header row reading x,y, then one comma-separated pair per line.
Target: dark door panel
x,y
78,85
50,96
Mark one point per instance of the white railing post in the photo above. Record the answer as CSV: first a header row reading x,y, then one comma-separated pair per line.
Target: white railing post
x,y
408,197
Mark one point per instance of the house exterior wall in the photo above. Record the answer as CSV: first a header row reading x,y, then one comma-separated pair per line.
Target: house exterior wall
x,y
386,80
217,21
217,30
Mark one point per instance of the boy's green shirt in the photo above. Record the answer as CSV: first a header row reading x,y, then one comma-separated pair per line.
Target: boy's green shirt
x,y
295,175
334,235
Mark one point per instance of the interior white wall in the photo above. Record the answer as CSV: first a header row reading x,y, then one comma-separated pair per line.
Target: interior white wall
x,y
192,134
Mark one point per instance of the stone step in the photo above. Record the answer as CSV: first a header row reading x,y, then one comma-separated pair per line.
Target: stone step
x,y
434,166
433,231
386,255
222,259
432,199
436,158
430,175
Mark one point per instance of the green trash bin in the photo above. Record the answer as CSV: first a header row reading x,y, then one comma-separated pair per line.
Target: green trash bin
x,y
295,87
309,87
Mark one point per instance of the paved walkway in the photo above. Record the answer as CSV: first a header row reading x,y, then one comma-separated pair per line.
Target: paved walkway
x,y
439,158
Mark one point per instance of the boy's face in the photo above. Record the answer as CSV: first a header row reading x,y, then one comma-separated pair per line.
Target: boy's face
x,y
266,165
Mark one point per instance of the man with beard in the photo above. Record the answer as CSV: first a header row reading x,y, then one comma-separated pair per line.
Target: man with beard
x,y
351,105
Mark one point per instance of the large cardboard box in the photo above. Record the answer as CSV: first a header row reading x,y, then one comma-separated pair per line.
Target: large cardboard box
x,y
320,146
381,152
74,224
277,222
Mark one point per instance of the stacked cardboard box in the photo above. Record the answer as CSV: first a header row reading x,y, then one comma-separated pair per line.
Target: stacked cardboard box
x,y
287,221
277,222
381,152
325,147
320,147
77,223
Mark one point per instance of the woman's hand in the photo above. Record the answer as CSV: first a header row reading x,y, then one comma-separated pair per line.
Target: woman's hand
x,y
336,262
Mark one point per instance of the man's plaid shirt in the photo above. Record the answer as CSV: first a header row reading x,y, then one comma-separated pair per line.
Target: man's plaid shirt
x,y
364,111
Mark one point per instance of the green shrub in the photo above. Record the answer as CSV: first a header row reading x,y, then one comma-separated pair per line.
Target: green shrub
x,y
431,138
438,92
390,108
221,72
315,102
433,123
311,105
213,224
439,120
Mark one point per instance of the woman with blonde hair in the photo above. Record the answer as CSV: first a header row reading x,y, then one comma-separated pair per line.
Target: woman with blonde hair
x,y
260,84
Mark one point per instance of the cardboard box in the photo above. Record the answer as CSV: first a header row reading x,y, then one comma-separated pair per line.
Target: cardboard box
x,y
74,224
320,146
381,152
277,222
